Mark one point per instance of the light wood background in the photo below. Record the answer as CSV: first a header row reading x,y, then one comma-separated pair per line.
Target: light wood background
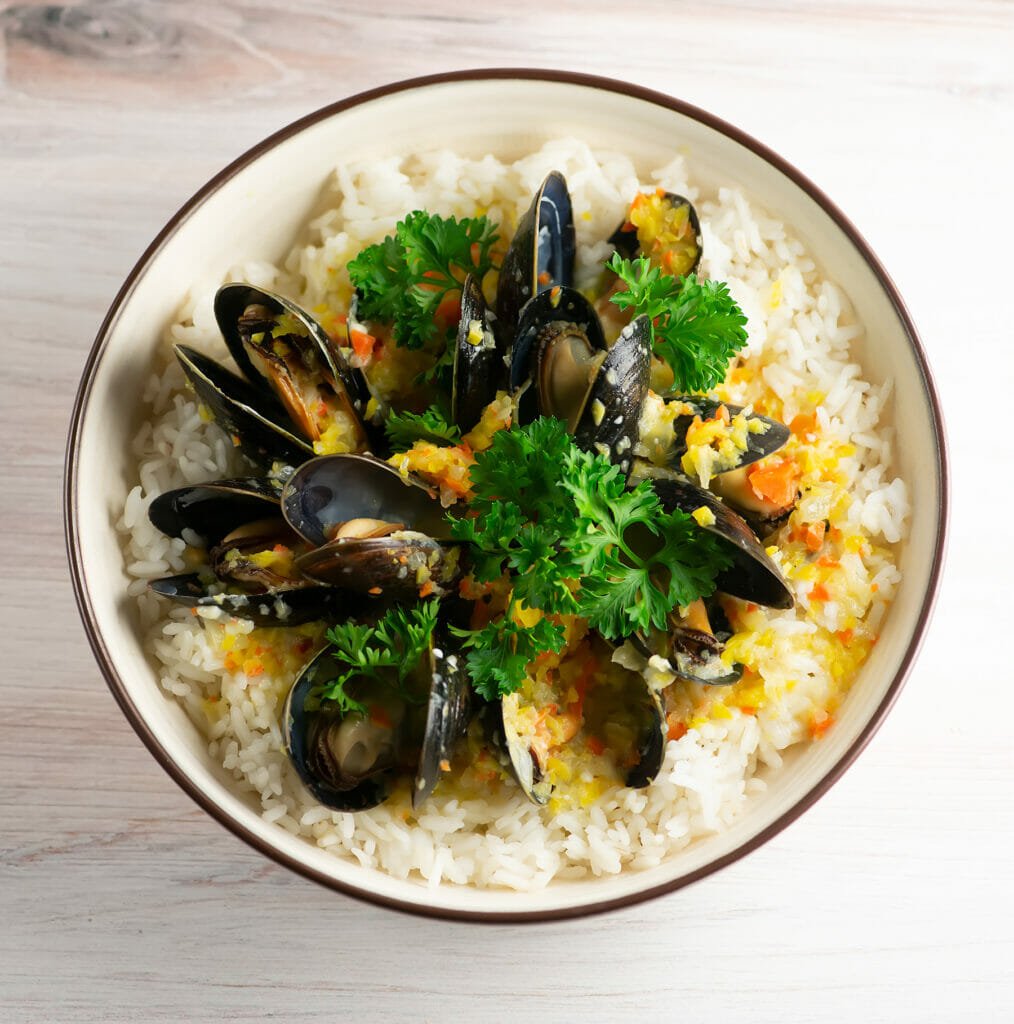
x,y
891,900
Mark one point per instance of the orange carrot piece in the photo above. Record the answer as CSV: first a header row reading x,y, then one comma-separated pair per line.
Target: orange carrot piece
x,y
819,593
596,746
362,345
813,535
775,482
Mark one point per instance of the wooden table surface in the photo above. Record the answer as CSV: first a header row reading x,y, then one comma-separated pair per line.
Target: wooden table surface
x,y
891,900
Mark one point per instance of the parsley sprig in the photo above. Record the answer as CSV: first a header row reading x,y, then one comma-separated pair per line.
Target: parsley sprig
x,y
403,429
404,279
387,651
697,327
571,539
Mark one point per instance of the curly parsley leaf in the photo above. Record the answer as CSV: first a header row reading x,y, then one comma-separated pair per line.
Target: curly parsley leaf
x,y
499,653
404,279
386,651
572,538
403,429
697,327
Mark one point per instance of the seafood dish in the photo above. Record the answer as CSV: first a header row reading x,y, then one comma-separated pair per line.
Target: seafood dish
x,y
513,528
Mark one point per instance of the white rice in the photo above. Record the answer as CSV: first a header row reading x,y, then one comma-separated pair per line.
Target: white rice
x,y
801,347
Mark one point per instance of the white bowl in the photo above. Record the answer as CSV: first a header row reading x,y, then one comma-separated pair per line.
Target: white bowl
x,y
252,210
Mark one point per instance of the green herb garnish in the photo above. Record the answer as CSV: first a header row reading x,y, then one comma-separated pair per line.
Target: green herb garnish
x,y
697,327
386,652
403,429
572,539
404,279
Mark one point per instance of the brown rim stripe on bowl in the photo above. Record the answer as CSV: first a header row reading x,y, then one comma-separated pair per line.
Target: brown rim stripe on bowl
x,y
72,528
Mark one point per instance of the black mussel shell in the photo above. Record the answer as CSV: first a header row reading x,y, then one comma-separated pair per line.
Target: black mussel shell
x,y
305,739
393,567
447,715
758,446
753,576
281,608
625,241
479,368
256,422
554,317
516,753
334,489
610,421
214,509
541,254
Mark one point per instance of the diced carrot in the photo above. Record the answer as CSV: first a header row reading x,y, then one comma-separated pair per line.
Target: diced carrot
x,y
827,562
820,723
813,535
845,635
445,765
379,716
375,590
819,593
722,414
747,709
805,426
667,259
426,589
449,310
362,345
676,728
595,745
775,482
874,587
544,277
751,607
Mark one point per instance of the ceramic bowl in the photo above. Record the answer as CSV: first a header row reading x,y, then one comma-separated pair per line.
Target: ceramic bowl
x,y
252,210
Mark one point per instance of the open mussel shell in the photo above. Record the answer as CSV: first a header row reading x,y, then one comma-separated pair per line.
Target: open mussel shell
x,y
395,567
447,714
239,556
347,765
753,576
351,763
334,489
758,445
558,349
610,418
680,219
256,422
479,368
541,253
515,751
231,303
280,608
212,510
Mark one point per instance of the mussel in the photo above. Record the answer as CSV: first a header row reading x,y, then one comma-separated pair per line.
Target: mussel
x,y
693,645
370,528
664,227
562,367
351,761
752,576
257,423
620,707
479,367
541,253
284,350
250,572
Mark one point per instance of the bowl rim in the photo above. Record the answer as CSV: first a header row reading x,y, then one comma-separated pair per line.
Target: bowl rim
x,y
104,657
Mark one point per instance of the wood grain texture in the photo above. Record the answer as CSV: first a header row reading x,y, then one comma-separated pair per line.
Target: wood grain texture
x,y
891,900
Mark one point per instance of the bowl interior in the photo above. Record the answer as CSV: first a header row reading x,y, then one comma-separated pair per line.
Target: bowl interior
x,y
255,211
